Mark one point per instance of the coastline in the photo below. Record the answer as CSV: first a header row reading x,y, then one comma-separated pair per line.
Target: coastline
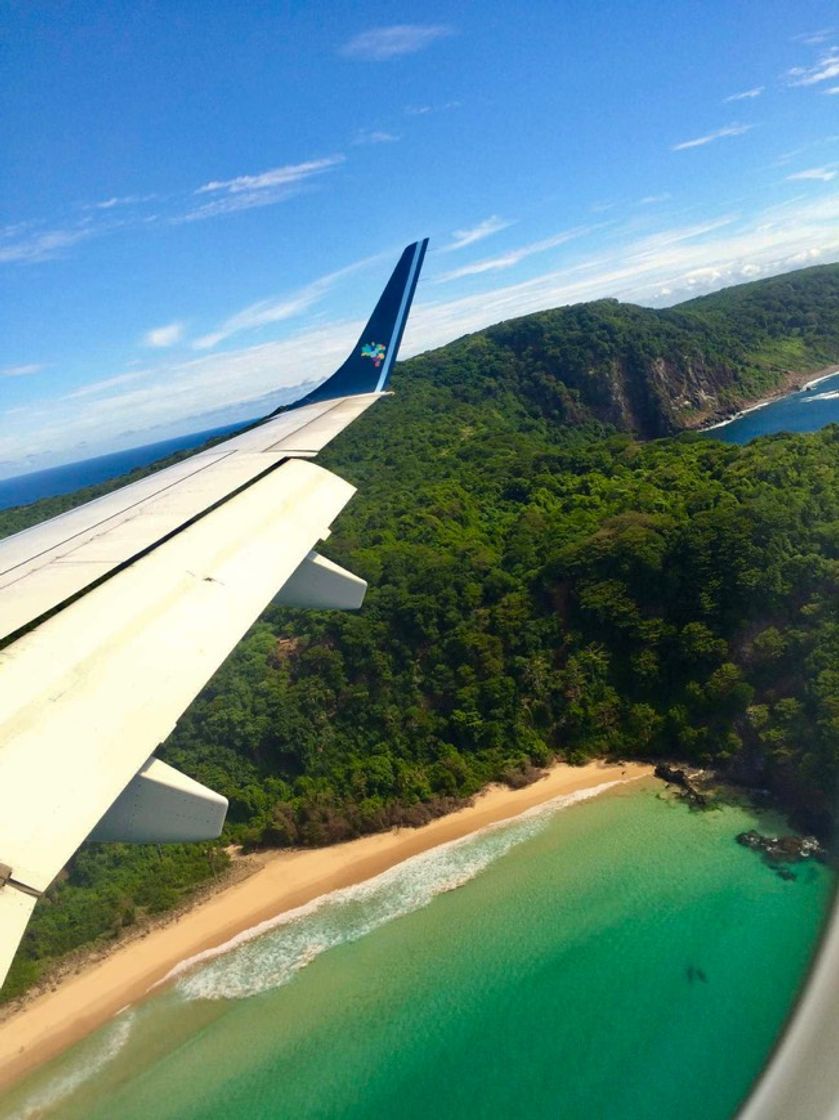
x,y
789,386
49,1023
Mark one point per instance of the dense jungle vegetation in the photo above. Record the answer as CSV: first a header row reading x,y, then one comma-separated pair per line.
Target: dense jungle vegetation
x,y
542,585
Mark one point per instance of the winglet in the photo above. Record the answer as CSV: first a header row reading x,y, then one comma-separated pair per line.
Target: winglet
x,y
368,367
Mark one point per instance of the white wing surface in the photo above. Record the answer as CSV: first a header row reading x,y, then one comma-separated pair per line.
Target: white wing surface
x,y
115,614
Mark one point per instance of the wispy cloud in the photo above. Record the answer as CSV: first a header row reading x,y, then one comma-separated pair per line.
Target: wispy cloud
x,y
244,192
827,67
814,38
260,314
463,237
672,264
22,371
424,110
729,130
382,43
42,246
32,241
509,260
824,174
654,199
97,388
374,136
278,309
160,337
124,200
832,89
276,177
746,95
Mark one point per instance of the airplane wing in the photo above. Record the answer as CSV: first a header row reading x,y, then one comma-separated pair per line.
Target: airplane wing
x,y
115,614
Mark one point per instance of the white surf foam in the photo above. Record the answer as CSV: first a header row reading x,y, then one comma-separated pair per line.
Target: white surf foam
x,y
271,953
832,395
89,1060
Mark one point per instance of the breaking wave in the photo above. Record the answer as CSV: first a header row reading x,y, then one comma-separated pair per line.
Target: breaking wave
x,y
89,1059
271,953
832,395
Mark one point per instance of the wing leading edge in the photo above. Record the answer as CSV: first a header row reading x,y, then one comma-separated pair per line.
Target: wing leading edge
x,y
114,615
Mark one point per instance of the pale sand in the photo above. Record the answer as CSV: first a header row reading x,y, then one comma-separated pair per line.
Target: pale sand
x,y
49,1023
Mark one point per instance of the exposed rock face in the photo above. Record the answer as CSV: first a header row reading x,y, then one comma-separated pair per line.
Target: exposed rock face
x,y
675,776
657,371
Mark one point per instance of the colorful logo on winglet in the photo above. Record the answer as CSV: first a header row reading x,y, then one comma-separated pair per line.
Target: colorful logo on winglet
x,y
375,351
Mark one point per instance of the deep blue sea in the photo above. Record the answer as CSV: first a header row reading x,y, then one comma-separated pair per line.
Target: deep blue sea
x,y
806,411
26,488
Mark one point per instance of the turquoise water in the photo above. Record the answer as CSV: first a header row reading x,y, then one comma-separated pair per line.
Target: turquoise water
x,y
806,411
549,967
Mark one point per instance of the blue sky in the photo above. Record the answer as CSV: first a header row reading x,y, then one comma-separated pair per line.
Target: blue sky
x,y
202,200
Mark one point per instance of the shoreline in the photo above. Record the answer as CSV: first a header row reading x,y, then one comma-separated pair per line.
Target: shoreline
x,y
51,1022
788,389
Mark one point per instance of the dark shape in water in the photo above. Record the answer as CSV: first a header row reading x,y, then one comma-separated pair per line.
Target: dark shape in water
x,y
676,777
783,849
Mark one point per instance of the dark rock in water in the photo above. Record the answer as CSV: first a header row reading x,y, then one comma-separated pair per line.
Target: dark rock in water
x,y
785,874
783,849
680,778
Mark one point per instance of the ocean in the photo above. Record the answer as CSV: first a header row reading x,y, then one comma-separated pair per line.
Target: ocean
x,y
805,411
26,488
618,957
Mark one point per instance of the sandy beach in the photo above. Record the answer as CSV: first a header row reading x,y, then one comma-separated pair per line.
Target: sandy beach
x,y
55,1020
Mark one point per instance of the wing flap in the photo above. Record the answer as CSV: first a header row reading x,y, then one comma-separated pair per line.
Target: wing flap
x,y
47,565
134,652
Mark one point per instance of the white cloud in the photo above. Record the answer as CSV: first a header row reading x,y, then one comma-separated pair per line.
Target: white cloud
x,y
508,260
232,204
276,177
831,89
672,264
245,192
124,200
822,173
97,388
814,38
463,237
423,110
746,95
278,309
161,337
729,130
374,136
654,199
827,67
389,42
42,246
21,371
260,314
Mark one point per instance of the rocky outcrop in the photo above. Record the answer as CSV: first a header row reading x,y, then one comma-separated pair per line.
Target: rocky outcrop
x,y
783,849
686,782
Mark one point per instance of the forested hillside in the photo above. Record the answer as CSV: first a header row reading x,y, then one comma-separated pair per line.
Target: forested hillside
x,y
541,585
